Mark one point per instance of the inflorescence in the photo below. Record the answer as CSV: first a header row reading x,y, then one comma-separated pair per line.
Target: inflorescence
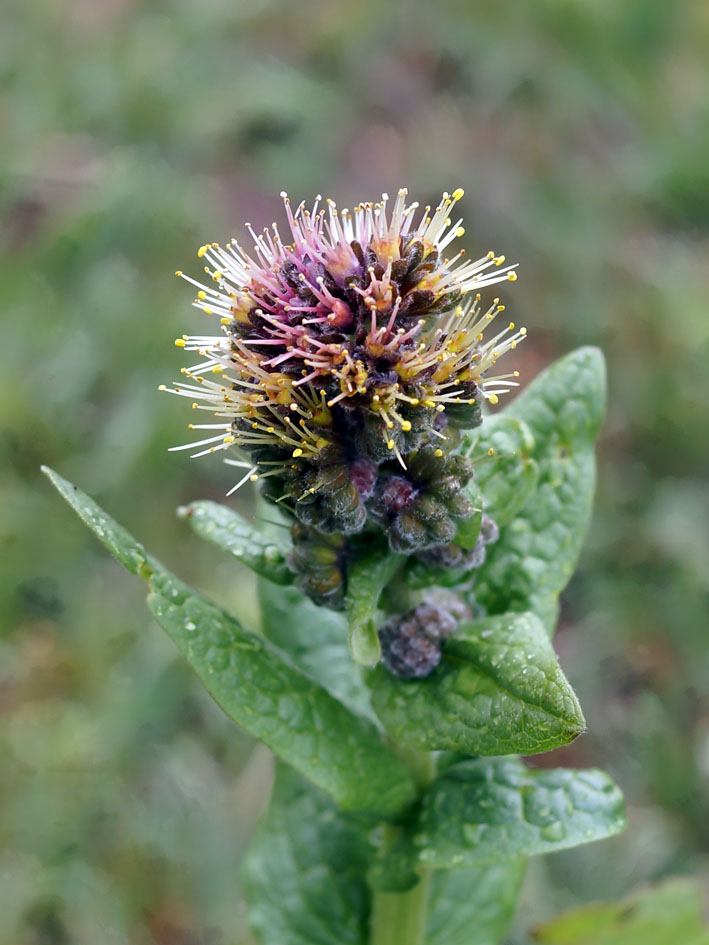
x,y
350,355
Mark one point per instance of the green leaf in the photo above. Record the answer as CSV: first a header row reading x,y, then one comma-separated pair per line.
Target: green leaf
x,y
119,542
271,700
488,811
669,913
475,906
315,639
508,477
416,575
537,551
305,871
469,528
498,690
366,578
229,531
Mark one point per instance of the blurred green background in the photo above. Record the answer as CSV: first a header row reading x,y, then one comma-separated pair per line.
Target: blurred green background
x,y
135,130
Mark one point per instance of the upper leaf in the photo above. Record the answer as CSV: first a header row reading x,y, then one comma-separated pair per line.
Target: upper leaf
x,y
487,811
366,578
498,690
305,871
469,528
272,700
510,475
229,531
315,639
537,550
670,913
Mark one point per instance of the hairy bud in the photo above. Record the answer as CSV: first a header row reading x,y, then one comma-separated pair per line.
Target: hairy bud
x,y
453,557
420,509
318,561
411,643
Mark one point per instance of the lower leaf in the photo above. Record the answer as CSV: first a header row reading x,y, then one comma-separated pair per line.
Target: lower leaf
x,y
492,810
305,872
474,906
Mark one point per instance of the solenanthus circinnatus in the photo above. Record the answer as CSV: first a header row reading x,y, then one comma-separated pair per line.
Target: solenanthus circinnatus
x,y
350,355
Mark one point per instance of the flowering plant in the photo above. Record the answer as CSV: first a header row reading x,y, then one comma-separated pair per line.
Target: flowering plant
x,y
349,379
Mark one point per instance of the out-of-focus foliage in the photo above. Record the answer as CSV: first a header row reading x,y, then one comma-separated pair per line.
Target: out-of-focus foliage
x,y
134,132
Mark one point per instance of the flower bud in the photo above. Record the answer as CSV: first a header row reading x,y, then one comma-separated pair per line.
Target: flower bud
x,y
452,557
420,509
318,563
411,643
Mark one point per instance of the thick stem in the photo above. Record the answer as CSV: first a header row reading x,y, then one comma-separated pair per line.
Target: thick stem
x,y
401,918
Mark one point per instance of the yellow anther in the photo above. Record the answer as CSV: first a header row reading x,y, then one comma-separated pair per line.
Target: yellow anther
x,y
438,452
202,295
208,310
225,321
460,231
458,193
178,272
253,478
493,398
201,251
491,452
512,276
229,438
297,452
390,445
180,342
499,261
406,425
512,325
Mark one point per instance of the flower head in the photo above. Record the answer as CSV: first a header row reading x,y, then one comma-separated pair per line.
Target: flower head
x,y
345,350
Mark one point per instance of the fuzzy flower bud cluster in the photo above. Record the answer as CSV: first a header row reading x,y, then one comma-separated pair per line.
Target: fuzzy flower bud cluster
x,y
351,354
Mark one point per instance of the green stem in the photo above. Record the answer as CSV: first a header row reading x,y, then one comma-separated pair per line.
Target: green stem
x,y
401,918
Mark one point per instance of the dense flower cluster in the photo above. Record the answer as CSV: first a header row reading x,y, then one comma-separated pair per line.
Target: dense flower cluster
x,y
350,353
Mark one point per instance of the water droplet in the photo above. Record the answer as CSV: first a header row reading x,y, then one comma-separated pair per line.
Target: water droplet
x,y
190,625
471,833
553,832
